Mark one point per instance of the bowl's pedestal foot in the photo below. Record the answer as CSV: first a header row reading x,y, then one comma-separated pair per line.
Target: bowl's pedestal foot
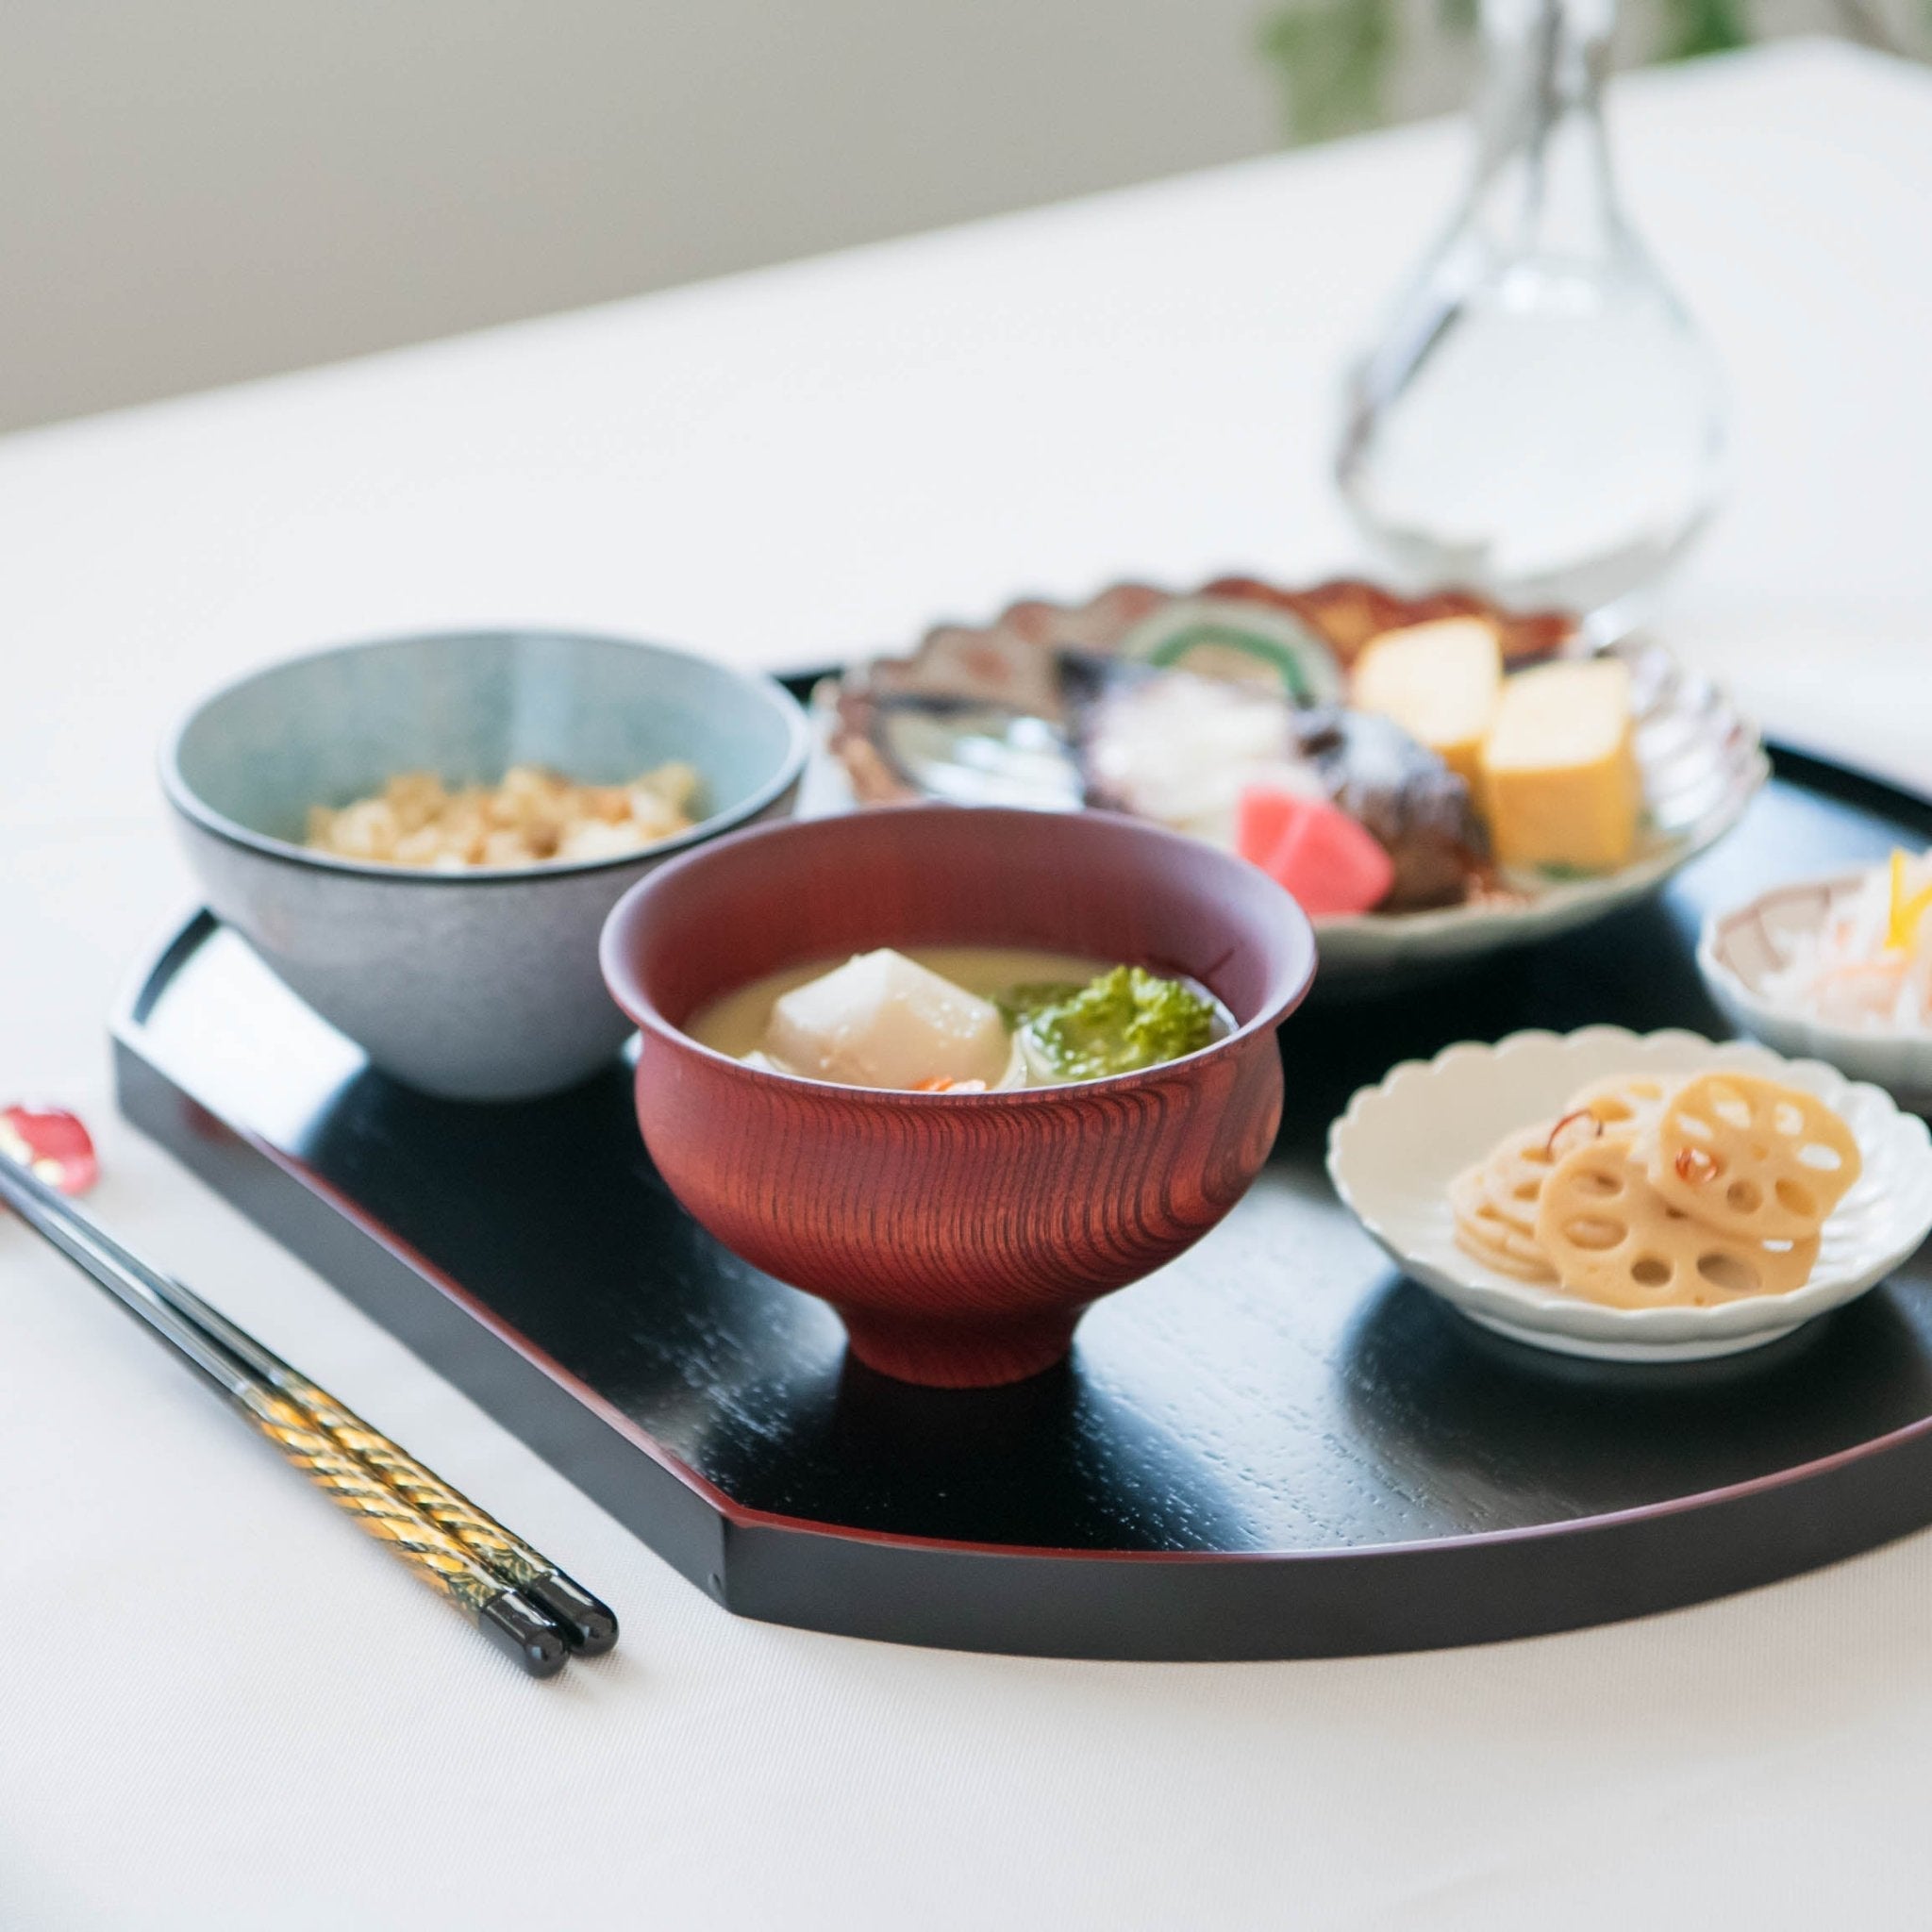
x,y
959,1355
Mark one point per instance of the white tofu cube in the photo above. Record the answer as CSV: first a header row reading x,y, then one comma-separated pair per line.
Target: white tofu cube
x,y
881,1020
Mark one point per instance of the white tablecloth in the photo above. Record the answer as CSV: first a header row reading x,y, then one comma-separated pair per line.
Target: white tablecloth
x,y
222,1708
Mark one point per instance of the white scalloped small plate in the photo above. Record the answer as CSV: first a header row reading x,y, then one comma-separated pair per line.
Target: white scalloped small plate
x,y
1740,949
1397,1146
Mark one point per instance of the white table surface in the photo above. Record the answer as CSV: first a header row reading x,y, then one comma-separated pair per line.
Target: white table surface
x,y
220,1708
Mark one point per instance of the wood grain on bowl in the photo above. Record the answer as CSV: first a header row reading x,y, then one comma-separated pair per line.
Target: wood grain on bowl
x,y
959,1236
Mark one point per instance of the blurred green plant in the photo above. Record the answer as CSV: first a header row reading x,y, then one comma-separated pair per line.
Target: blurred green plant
x,y
1334,58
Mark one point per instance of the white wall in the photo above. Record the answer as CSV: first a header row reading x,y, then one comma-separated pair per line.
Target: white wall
x,y
192,191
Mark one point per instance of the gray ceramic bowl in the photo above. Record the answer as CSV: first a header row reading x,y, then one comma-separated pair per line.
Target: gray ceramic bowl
x,y
478,985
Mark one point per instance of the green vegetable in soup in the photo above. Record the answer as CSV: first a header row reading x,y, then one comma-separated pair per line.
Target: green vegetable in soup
x,y
1117,1023
1019,1003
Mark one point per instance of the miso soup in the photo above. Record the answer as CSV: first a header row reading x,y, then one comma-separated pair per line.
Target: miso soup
x,y
962,1020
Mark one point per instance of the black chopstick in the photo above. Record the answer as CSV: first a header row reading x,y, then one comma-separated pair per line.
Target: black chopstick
x,y
323,1442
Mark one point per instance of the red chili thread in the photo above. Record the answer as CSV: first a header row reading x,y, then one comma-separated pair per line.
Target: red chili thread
x,y
1582,1114
1694,1164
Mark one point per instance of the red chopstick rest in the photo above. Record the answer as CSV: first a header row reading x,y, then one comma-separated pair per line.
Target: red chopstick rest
x,y
50,1142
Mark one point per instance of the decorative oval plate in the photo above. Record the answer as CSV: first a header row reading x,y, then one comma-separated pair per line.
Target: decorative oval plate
x,y
977,715
1741,949
1394,1151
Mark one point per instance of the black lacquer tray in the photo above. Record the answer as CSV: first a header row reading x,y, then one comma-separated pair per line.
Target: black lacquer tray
x,y
1275,1447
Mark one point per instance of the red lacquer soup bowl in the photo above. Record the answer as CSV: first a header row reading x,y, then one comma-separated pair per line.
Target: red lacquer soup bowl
x,y
960,1236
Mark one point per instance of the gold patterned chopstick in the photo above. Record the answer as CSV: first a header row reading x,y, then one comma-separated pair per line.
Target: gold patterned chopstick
x,y
501,1611
588,1626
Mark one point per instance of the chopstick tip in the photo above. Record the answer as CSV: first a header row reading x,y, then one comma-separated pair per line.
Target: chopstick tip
x,y
520,1629
590,1627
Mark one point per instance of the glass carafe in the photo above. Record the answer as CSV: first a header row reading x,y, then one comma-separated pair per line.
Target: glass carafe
x,y
1542,419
